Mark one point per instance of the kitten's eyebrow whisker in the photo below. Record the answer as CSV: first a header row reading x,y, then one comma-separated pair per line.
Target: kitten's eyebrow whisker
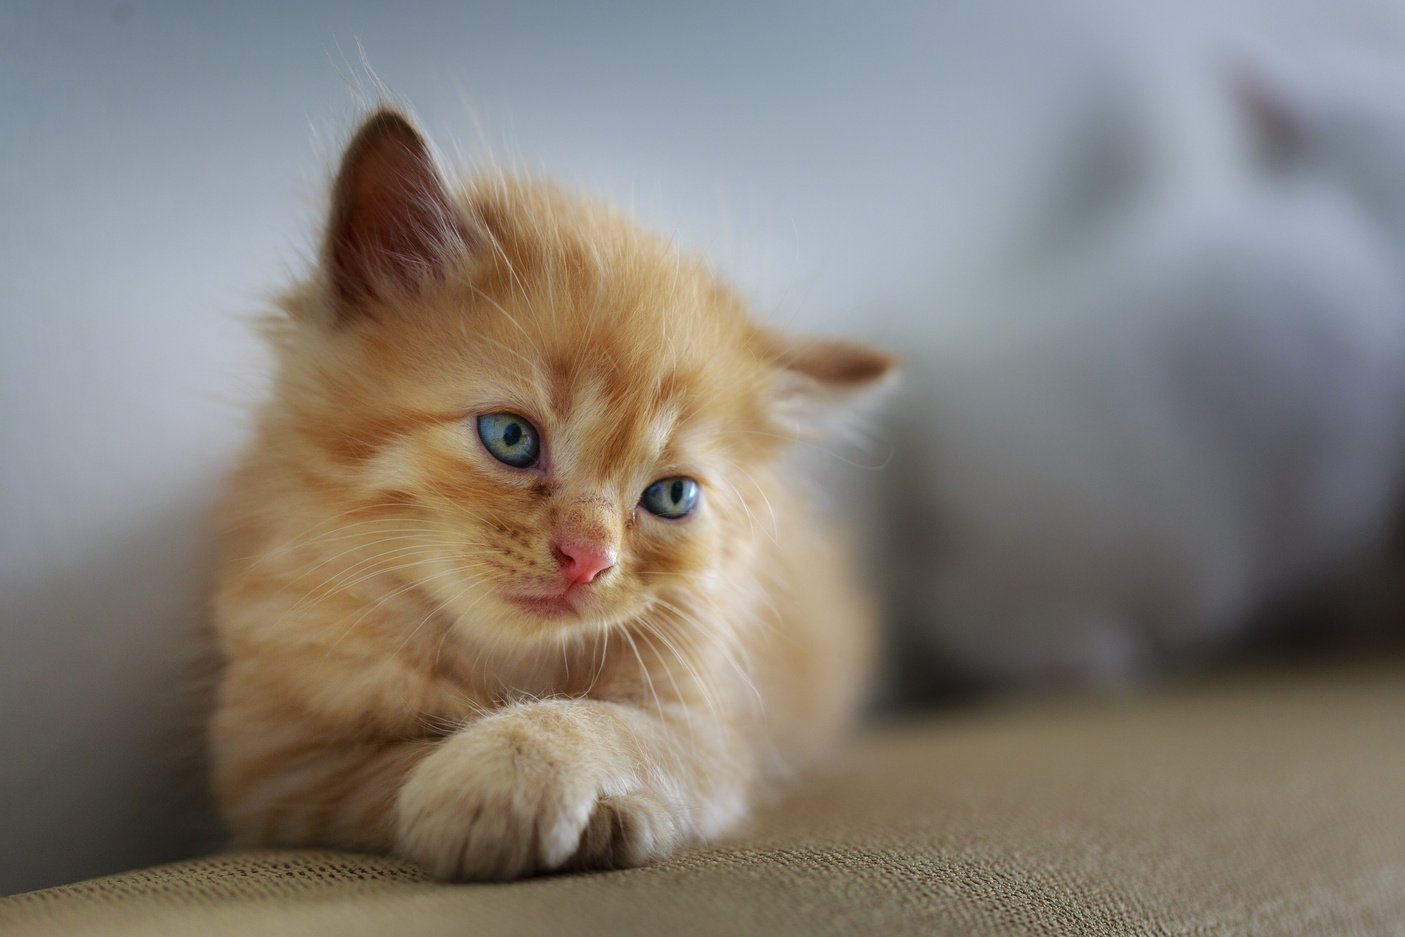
x,y
532,366
521,289
737,495
775,525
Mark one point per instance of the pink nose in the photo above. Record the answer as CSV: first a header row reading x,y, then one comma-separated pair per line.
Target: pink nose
x,y
582,562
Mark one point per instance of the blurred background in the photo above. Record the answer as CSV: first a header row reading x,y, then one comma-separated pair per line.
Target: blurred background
x,y
930,176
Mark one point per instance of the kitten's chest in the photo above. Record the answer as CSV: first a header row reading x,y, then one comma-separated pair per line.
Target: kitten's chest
x,y
471,677
617,663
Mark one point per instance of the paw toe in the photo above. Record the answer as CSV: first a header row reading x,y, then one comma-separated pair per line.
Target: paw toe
x,y
625,830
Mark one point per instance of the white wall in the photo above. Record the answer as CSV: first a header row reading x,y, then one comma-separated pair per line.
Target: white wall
x,y
161,165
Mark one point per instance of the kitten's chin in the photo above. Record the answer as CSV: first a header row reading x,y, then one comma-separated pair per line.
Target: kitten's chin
x,y
574,609
549,607
502,613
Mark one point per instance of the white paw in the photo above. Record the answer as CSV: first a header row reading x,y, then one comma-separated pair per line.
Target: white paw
x,y
530,790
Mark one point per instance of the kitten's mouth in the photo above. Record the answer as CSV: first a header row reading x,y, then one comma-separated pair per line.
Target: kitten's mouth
x,y
548,606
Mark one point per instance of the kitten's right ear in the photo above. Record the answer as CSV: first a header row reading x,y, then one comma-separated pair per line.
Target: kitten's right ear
x,y
812,379
393,223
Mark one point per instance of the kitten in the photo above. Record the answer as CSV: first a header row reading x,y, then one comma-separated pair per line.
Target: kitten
x,y
513,578
1189,402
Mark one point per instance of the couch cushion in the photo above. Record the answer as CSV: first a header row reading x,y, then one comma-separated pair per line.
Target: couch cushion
x,y
1272,804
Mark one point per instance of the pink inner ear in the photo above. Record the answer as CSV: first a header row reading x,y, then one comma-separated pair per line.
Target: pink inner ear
x,y
393,223
836,363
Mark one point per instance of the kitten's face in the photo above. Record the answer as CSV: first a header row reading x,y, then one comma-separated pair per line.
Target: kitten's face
x,y
556,423
582,384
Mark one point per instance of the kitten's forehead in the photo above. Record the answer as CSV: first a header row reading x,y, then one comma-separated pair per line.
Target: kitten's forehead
x,y
610,429
632,354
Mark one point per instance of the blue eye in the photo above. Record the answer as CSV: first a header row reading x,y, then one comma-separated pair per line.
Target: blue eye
x,y
510,439
671,497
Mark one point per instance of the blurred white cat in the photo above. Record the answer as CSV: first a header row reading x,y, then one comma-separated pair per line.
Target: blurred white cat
x,y
1183,394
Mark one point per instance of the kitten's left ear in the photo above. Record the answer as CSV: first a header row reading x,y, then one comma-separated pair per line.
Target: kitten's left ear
x,y
816,379
393,223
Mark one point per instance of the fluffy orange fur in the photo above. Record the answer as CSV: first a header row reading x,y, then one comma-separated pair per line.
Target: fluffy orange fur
x,y
384,688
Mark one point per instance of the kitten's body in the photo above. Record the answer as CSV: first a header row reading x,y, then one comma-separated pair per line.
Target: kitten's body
x,y
404,671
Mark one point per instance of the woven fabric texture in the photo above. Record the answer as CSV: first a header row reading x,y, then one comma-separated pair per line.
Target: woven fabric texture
x,y
1272,805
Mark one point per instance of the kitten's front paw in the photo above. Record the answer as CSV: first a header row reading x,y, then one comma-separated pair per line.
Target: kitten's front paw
x,y
530,790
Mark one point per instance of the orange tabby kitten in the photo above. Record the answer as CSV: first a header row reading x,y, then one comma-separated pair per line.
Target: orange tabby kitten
x,y
513,581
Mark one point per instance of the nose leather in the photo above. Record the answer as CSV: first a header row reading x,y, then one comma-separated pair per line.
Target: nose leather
x,y
582,561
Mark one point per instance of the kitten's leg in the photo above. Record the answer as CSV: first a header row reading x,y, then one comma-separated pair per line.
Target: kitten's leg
x,y
569,783
309,749
292,785
534,787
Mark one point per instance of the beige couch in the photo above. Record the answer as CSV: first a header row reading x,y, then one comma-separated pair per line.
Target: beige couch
x,y
1270,804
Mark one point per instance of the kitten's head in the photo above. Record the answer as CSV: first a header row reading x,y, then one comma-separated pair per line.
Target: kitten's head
x,y
516,399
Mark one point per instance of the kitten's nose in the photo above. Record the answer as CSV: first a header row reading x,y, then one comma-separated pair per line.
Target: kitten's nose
x,y
582,561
